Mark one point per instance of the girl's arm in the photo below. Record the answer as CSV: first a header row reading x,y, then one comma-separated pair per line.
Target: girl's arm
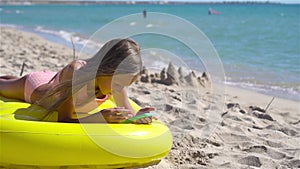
x,y
67,72
65,112
121,99
114,115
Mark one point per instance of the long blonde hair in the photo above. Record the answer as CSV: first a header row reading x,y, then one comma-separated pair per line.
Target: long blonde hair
x,y
118,56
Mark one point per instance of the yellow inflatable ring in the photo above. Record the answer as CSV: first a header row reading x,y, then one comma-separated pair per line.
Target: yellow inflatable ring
x,y
25,141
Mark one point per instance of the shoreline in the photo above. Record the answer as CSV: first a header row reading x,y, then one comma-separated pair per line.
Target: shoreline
x,y
61,39
240,132
246,97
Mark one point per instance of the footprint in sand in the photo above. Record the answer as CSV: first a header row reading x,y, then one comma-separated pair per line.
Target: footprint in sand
x,y
250,161
263,149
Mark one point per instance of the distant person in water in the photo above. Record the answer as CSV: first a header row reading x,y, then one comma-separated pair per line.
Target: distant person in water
x,y
83,85
213,12
145,13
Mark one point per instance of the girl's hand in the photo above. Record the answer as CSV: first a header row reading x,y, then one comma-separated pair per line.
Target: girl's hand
x,y
146,120
116,115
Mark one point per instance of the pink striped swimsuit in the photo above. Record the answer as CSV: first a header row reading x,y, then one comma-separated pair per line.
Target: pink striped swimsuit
x,y
36,79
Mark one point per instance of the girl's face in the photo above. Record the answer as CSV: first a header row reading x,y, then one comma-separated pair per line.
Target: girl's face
x,y
108,84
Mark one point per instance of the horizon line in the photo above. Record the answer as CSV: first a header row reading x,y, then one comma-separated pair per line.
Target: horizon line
x,y
140,2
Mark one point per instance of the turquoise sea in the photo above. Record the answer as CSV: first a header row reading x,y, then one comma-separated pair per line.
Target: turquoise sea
x,y
258,44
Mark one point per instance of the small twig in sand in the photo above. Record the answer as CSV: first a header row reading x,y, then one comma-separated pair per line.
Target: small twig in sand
x,y
22,69
269,104
74,56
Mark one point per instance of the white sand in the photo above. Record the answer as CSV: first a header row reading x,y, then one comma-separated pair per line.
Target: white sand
x,y
240,134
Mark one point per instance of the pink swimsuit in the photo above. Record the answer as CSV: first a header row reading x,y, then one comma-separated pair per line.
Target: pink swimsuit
x,y
36,79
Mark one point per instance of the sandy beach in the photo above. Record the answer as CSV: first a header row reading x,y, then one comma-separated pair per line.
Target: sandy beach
x,y
209,131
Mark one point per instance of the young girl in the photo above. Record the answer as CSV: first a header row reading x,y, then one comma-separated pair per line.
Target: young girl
x,y
83,85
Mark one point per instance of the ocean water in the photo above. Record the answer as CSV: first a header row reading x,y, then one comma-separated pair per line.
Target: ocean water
x,y
259,45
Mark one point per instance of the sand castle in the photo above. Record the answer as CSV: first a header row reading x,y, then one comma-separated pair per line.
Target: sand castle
x,y
170,76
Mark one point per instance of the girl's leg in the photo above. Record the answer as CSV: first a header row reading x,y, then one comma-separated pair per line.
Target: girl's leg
x,y
12,87
8,77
